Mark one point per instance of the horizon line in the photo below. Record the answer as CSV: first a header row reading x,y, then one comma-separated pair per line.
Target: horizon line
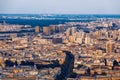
x,y
54,14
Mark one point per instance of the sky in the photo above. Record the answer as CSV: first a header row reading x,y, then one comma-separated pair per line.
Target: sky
x,y
59,6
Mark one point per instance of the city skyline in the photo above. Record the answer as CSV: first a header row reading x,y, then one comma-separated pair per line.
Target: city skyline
x,y
59,41
59,7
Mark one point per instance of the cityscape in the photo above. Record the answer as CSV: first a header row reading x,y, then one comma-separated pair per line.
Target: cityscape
x,y
59,46
74,50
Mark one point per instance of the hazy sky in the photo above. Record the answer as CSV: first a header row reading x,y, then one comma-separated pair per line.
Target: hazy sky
x,y
60,6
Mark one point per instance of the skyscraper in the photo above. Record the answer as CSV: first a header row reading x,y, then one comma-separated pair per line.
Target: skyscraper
x,y
52,28
37,29
46,30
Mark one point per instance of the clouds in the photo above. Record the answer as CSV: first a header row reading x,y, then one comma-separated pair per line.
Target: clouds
x,y
60,6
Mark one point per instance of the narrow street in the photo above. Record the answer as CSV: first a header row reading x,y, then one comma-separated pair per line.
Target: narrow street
x,y
67,67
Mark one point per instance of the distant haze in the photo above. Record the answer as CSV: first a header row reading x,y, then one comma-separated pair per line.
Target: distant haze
x,y
60,6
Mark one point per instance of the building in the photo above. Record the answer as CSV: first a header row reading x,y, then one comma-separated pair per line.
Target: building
x,y
52,28
57,40
87,39
37,29
79,40
73,30
98,34
109,47
61,28
46,30
14,35
68,32
72,38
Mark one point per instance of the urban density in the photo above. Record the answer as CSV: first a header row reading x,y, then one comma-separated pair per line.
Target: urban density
x,y
74,50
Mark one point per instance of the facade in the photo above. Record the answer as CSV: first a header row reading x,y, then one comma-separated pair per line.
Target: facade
x,y
109,47
37,29
46,30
